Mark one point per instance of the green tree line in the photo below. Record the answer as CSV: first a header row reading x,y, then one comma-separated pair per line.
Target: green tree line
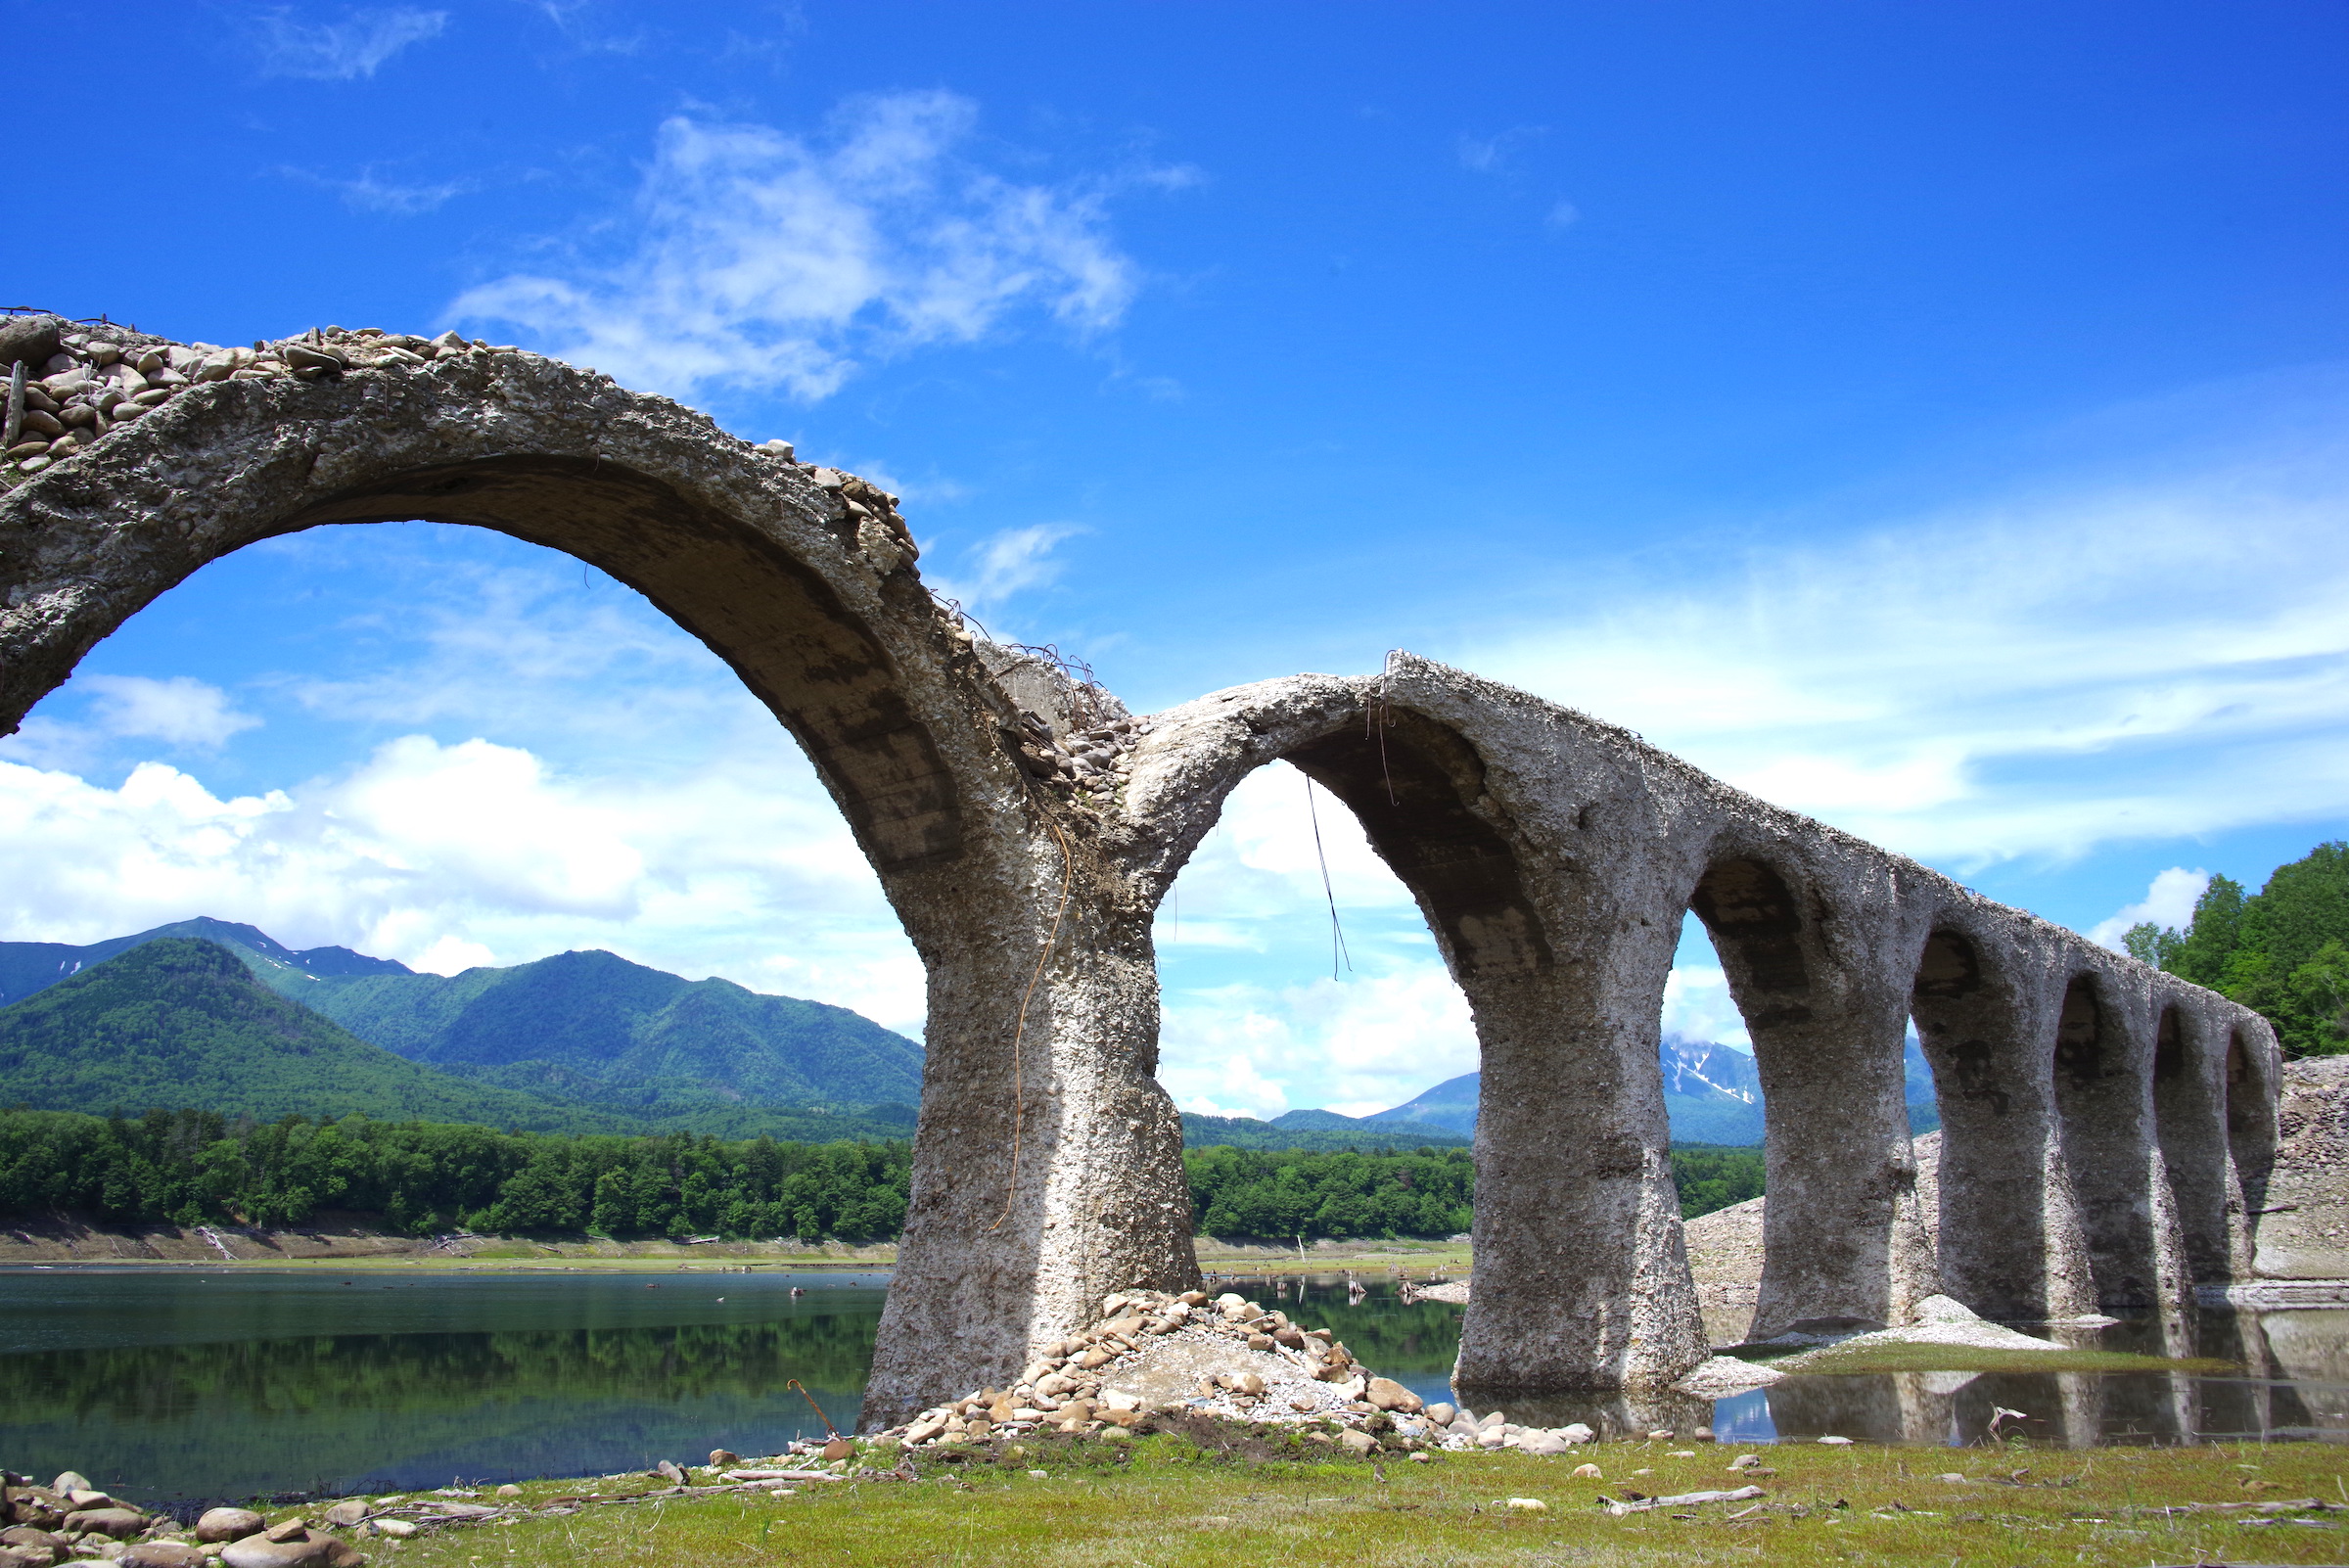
x,y
421,1178
2282,951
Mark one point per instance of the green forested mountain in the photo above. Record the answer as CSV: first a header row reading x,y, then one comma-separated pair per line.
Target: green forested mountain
x,y
2283,951
26,967
183,1022
584,1029
180,1023
596,1028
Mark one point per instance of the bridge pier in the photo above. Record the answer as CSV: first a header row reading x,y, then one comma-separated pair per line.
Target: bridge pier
x,y
1581,1280
1825,1000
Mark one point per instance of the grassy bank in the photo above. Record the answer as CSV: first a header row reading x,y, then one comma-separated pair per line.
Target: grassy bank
x,y
1164,1500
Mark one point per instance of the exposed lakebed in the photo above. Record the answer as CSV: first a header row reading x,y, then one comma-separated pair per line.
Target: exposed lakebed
x,y
169,1383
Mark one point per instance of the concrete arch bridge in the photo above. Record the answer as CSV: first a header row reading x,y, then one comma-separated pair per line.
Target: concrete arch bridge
x,y
2102,1120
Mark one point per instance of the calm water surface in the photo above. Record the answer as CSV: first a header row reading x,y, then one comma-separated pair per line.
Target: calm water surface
x,y
189,1383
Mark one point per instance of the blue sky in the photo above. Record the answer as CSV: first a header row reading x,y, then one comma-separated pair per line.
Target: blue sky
x,y
1928,418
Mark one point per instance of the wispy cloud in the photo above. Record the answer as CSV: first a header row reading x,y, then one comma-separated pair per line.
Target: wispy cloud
x,y
340,51
1492,154
180,712
1002,565
764,260
368,194
1562,215
2031,676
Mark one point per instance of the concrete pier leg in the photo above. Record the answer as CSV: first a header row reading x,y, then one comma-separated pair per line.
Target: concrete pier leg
x,y
1842,1233
1041,1180
2009,1244
1581,1280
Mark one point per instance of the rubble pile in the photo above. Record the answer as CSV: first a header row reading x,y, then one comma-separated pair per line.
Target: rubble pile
x,y
1225,1358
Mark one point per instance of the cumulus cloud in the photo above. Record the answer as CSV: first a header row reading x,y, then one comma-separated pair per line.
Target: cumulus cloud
x,y
2032,677
340,51
179,711
445,856
763,260
2169,903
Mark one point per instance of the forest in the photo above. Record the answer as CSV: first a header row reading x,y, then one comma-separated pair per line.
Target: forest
x,y
188,1168
2282,951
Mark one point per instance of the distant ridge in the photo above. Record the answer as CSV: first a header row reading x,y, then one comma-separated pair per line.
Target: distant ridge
x,y
183,1022
591,1031
1712,1094
29,967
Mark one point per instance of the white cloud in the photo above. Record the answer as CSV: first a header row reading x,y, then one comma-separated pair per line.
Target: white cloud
x,y
1003,563
762,259
367,194
2169,903
1563,214
2028,679
339,51
179,711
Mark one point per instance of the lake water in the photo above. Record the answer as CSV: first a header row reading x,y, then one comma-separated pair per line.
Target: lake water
x,y
194,1383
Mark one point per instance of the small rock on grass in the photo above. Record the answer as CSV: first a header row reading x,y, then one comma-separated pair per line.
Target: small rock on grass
x,y
228,1523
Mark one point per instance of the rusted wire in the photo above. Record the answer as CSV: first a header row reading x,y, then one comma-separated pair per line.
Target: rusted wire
x,y
1337,933
794,1382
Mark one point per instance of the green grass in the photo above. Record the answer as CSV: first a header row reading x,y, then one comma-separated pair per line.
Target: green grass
x,y
1164,1499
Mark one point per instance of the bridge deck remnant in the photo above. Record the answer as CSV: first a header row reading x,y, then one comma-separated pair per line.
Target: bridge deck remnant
x,y
2103,1121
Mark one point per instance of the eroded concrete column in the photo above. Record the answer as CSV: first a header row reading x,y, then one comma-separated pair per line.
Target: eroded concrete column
x,y
2104,1080
1828,1009
2009,1243
1582,1279
1048,1162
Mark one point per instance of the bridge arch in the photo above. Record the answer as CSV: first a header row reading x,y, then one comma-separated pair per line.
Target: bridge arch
x,y
1799,940
2004,1239
1582,1280
801,578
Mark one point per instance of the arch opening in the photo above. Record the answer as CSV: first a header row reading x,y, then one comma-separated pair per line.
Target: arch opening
x,y
1842,1240
2189,1122
2104,1110
2249,1114
458,754
1991,1201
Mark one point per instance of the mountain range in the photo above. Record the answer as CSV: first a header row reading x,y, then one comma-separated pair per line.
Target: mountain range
x,y
584,1041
